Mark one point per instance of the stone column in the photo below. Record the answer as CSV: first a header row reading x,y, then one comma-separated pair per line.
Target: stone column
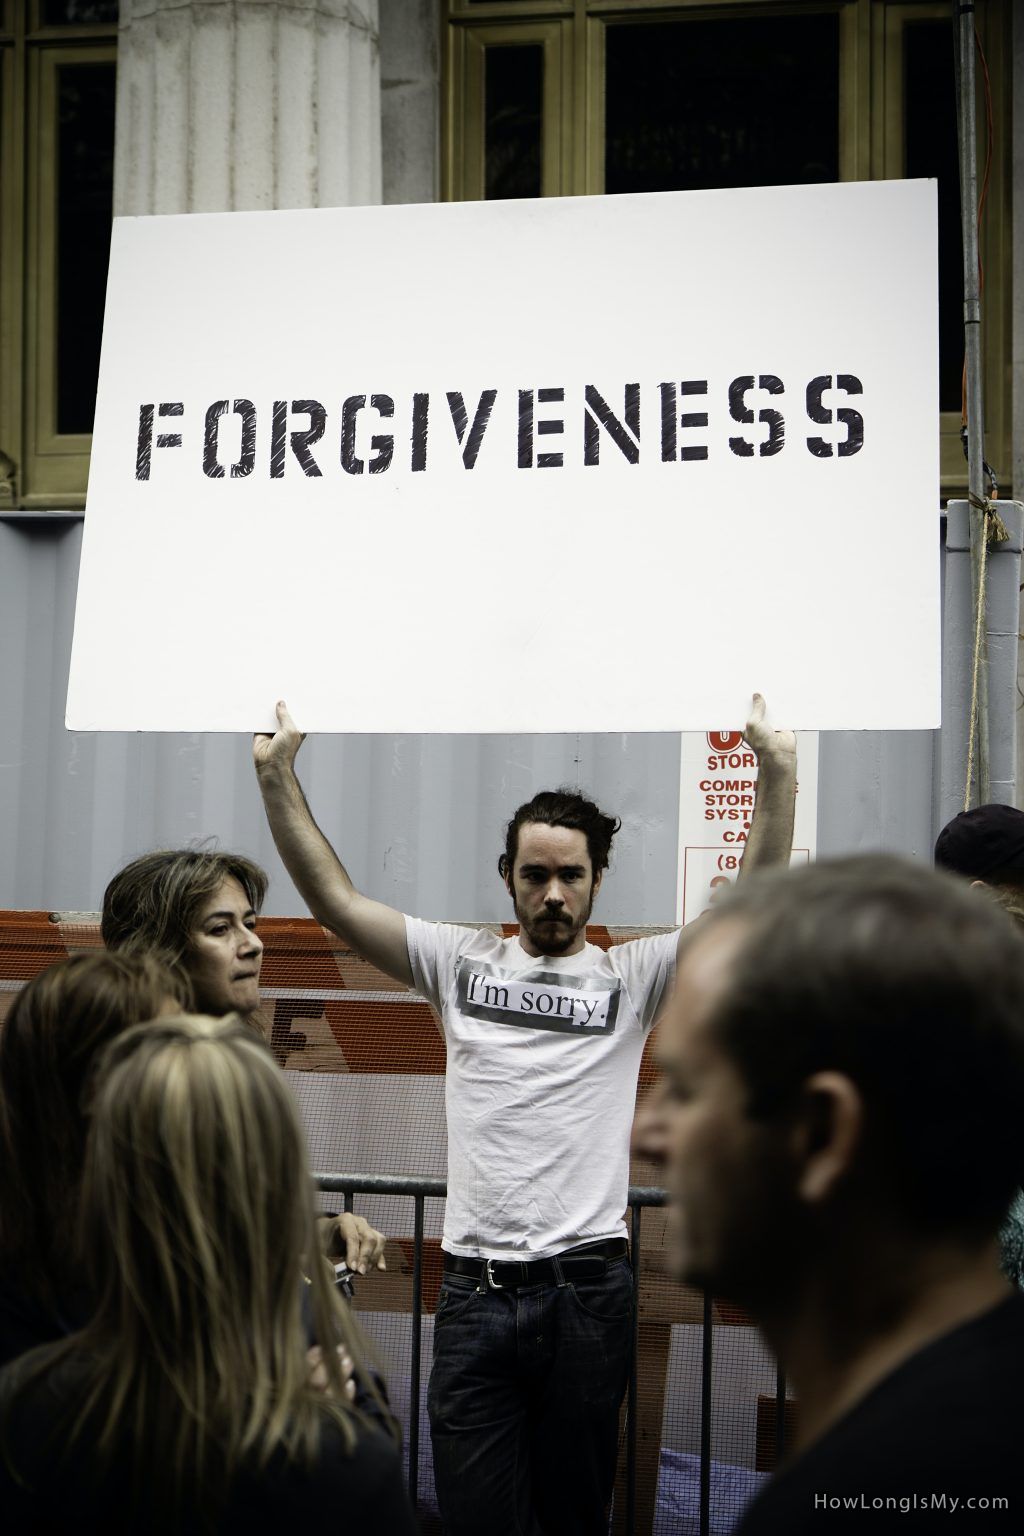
x,y
225,105
231,106
410,78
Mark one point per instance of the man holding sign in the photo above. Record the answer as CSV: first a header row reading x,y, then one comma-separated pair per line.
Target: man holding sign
x,y
545,1033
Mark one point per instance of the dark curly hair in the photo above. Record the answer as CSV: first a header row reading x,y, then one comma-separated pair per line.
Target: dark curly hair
x,y
563,807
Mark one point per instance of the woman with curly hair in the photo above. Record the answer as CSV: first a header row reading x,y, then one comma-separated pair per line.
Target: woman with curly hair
x,y
195,910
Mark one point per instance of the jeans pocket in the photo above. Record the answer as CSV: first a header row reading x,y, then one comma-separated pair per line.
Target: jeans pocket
x,y
608,1298
452,1301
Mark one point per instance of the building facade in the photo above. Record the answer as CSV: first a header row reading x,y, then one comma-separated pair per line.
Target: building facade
x,y
161,106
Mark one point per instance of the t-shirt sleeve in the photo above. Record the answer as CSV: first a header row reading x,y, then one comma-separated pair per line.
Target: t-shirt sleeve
x,y
433,951
647,968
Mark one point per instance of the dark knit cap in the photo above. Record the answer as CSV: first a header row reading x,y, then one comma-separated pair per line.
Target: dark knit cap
x,y
975,843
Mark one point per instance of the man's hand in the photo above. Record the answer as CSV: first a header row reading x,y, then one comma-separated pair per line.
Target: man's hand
x,y
278,751
351,1237
765,742
770,837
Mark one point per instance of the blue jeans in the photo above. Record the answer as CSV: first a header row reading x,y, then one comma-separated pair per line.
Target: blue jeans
x,y
524,1403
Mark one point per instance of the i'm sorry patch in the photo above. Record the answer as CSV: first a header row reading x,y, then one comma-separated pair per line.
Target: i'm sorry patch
x,y
571,1005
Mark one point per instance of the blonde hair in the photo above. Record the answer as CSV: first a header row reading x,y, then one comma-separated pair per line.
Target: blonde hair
x,y
57,1027
198,1206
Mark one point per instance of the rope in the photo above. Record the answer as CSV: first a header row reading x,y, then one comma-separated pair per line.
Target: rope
x,y
995,533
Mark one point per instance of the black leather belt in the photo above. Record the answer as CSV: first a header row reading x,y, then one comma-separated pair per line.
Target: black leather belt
x,y
587,1261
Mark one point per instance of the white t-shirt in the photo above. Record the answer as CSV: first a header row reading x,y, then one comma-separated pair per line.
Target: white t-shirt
x,y
543,1056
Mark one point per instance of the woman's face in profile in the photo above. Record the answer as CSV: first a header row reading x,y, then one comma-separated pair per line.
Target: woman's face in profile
x,y
225,954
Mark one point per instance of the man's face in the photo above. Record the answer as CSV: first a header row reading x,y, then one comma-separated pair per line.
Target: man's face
x,y
730,1178
553,887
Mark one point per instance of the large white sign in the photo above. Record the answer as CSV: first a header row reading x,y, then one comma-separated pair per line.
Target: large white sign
x,y
576,464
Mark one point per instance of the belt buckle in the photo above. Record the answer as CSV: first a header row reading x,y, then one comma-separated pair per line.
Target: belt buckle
x,y
493,1284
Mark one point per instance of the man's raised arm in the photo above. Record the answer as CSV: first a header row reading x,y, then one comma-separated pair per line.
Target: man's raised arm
x,y
374,931
770,839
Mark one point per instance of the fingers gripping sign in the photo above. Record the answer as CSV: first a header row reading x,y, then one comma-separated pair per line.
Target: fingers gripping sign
x,y
278,750
762,738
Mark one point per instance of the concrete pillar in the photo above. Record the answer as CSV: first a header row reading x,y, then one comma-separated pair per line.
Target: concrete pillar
x,y
410,71
1002,610
226,105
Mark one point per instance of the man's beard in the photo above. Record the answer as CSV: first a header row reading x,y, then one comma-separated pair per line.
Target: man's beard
x,y
553,935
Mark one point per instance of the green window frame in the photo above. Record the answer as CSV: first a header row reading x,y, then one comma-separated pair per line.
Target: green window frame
x,y
872,144
41,467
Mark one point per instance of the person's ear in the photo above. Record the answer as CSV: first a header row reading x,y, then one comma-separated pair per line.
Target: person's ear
x,y
829,1132
505,871
597,883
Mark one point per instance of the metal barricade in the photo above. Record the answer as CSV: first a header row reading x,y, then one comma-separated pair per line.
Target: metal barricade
x,y
640,1198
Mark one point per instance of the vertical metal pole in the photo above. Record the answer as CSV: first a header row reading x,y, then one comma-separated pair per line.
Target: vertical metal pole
x,y
414,1372
780,1416
967,133
634,1254
705,1420
348,1201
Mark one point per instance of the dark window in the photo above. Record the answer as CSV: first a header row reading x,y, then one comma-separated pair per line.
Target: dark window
x,y
731,103
84,208
79,13
513,94
929,101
